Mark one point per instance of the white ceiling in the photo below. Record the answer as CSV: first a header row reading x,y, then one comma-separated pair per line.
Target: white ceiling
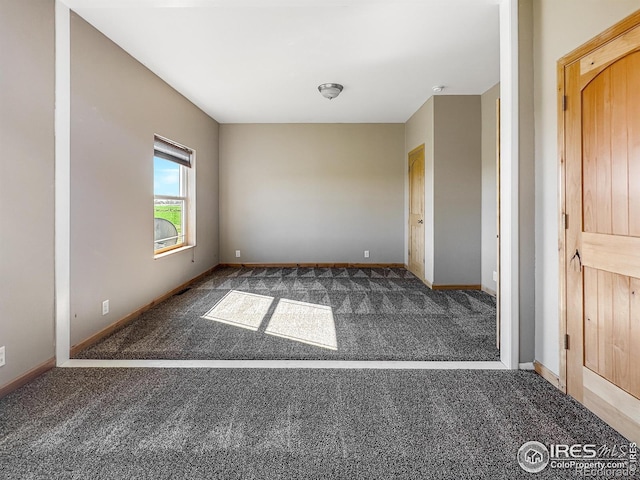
x,y
245,61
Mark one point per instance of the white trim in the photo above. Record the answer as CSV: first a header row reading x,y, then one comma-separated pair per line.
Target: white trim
x,y
62,181
509,222
316,364
526,366
192,200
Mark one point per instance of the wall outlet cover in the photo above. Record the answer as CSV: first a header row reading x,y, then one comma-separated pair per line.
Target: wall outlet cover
x,y
366,254
2,359
105,307
237,253
495,276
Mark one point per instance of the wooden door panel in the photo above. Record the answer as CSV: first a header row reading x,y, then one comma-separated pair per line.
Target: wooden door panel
x,y
634,337
611,149
591,318
606,245
600,144
417,185
607,327
416,211
620,354
633,146
589,161
417,253
619,147
604,296
613,253
602,117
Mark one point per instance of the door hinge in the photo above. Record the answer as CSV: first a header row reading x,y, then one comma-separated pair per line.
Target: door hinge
x,y
566,341
564,103
565,221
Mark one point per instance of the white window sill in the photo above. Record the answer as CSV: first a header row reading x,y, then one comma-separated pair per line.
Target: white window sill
x,y
171,252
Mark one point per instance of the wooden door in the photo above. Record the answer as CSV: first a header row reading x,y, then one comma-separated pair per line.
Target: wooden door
x,y
602,227
416,212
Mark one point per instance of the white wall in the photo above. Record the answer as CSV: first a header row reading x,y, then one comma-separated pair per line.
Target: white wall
x,y
298,193
559,27
489,188
116,107
26,185
418,131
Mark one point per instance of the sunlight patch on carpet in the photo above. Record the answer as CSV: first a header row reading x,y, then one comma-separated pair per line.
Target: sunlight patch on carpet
x,y
246,310
304,322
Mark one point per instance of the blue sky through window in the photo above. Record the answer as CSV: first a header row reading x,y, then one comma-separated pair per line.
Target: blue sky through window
x,y
166,177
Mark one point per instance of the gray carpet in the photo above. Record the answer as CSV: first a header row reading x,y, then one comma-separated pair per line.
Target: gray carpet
x,y
379,314
285,424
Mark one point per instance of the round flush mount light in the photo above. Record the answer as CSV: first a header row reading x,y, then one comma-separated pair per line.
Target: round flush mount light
x,y
330,90
438,88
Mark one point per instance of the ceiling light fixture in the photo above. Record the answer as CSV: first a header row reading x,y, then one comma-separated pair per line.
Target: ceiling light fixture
x,y
330,90
438,88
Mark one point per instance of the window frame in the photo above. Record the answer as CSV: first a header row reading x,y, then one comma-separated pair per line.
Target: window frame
x,y
187,195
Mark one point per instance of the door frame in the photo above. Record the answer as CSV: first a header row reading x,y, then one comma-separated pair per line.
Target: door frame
x,y
509,191
509,225
608,35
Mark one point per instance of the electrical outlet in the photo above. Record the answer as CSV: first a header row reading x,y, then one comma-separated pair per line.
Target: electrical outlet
x,y
366,254
2,359
237,253
495,276
105,307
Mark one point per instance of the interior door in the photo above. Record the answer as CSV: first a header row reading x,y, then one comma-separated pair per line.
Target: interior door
x,y
416,211
602,236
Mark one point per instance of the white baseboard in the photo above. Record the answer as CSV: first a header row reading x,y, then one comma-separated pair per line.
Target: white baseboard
x,y
315,364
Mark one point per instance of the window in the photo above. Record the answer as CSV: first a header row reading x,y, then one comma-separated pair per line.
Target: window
x,y
173,190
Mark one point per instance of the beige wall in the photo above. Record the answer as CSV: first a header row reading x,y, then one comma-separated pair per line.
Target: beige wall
x,y
559,27
311,193
26,185
450,128
113,95
116,107
489,228
526,186
418,131
457,189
